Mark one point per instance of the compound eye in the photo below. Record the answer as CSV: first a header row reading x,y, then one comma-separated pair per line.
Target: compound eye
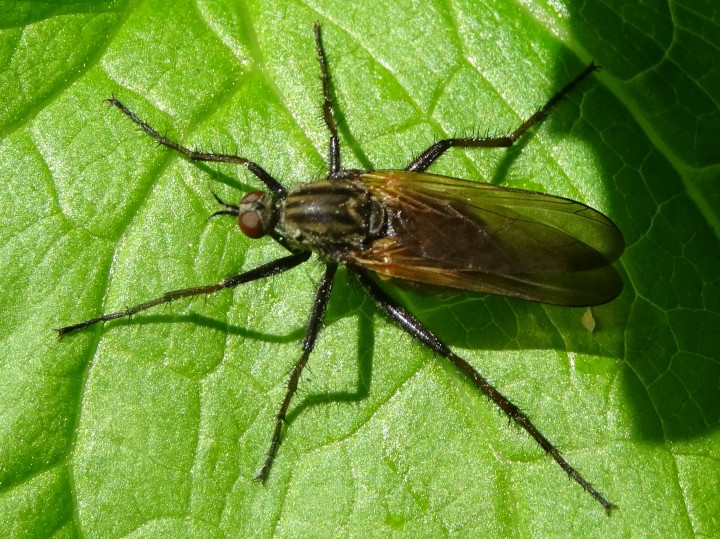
x,y
250,215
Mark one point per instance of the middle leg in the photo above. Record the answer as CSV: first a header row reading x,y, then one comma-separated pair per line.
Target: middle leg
x,y
328,114
316,319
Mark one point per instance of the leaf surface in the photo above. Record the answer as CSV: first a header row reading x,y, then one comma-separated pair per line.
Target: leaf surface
x,y
155,426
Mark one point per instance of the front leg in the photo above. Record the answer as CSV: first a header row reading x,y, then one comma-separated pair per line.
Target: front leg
x,y
266,270
272,184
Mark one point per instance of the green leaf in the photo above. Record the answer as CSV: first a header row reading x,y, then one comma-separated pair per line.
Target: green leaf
x,y
155,426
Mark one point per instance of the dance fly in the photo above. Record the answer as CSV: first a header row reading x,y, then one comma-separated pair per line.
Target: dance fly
x,y
415,226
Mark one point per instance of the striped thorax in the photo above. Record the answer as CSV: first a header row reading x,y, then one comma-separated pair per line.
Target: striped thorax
x,y
331,217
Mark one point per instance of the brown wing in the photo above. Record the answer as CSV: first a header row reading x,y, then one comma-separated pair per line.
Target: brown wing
x,y
474,236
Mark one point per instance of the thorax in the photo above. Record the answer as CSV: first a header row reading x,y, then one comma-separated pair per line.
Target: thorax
x,y
331,217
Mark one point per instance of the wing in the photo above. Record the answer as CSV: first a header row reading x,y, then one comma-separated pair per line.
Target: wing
x,y
474,236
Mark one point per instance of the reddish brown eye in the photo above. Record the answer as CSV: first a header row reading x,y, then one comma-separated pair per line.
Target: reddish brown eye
x,y
250,219
252,196
251,225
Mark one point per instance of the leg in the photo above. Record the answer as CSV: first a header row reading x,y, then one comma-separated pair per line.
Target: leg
x,y
271,183
413,326
334,152
428,157
267,270
316,318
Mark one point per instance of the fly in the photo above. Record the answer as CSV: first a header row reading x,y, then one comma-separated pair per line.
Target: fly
x,y
415,226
